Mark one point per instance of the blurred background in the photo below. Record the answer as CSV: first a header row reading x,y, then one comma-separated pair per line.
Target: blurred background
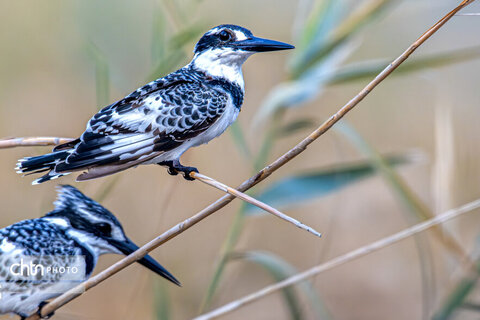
x,y
407,152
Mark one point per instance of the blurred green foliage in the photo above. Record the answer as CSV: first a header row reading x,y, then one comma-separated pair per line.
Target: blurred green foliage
x,y
302,187
326,40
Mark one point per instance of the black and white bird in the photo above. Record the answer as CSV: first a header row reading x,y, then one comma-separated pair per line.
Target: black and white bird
x,y
69,238
158,122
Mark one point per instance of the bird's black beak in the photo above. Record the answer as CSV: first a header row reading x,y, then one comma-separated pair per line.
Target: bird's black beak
x,y
127,247
255,44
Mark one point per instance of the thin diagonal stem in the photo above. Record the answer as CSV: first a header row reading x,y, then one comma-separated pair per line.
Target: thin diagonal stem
x,y
32,141
245,197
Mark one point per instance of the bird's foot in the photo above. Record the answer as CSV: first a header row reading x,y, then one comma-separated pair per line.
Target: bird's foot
x,y
39,311
174,167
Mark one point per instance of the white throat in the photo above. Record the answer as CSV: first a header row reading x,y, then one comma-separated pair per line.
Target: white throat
x,y
224,63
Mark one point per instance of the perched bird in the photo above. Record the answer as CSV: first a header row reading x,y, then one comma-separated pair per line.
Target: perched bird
x,y
158,122
69,238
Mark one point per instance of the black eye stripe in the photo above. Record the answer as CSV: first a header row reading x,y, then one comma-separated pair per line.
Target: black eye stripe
x,y
211,39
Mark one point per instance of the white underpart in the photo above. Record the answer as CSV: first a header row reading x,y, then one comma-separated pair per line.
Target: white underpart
x,y
225,63
225,120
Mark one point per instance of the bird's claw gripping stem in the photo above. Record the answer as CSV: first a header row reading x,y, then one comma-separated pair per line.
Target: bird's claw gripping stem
x,y
174,167
39,311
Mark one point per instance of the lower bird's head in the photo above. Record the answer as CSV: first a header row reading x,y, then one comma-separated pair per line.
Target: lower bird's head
x,y
97,228
223,49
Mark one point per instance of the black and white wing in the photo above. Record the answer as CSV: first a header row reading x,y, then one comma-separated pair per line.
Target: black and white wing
x,y
152,120
36,237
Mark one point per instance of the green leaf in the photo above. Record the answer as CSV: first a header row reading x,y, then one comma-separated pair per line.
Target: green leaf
x,y
365,14
293,94
279,269
302,187
162,300
102,75
408,197
369,69
456,299
316,21
312,83
459,295
324,17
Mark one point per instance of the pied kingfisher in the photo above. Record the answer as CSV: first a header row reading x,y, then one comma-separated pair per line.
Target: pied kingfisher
x,y
158,122
43,258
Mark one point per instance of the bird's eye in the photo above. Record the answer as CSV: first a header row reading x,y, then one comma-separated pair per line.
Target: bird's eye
x,y
104,228
225,35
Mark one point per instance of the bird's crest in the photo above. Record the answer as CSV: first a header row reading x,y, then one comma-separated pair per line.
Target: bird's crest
x,y
71,202
69,197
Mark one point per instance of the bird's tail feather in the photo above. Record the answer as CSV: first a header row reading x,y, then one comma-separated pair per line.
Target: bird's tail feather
x,y
47,162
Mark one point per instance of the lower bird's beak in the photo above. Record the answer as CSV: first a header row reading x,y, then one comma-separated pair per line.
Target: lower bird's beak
x,y
127,247
262,45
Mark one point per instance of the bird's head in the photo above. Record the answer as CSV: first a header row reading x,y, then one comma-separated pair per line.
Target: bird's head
x,y
223,49
96,227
